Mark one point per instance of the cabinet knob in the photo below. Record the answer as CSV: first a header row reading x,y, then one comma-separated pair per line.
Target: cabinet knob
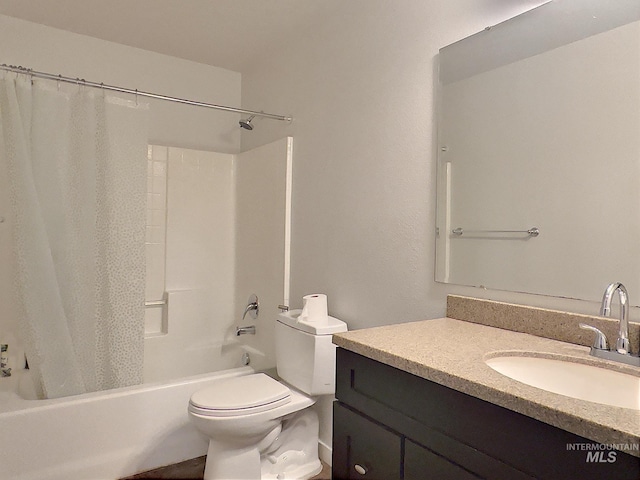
x,y
360,469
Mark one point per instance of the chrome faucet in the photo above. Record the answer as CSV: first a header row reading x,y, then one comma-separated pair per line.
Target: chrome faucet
x,y
622,344
251,330
252,308
600,348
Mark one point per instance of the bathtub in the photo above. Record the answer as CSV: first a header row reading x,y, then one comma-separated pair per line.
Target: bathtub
x,y
102,435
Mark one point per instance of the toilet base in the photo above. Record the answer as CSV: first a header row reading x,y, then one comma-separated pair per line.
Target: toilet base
x,y
301,472
292,454
224,463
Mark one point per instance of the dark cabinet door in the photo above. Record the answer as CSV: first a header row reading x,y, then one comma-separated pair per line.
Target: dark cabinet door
x,y
423,464
363,449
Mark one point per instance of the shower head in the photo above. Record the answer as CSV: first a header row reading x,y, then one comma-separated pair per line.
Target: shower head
x,y
246,124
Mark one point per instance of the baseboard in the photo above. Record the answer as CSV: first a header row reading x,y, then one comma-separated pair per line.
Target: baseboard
x,y
324,452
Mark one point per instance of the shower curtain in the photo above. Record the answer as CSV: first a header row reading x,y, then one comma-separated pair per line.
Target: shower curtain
x,y
76,165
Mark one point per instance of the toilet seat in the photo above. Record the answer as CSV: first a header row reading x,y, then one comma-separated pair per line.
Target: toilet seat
x,y
243,395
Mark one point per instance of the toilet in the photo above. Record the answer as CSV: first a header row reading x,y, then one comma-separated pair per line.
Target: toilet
x,y
262,428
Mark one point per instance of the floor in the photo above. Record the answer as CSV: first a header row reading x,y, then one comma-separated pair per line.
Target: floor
x,y
194,469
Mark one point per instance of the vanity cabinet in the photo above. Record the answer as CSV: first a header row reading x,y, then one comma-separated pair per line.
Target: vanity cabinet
x,y
389,424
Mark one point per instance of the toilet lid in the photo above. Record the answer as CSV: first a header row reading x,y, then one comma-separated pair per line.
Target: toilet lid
x,y
241,395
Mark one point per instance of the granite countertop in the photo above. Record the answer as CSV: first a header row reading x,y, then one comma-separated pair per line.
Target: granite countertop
x,y
452,353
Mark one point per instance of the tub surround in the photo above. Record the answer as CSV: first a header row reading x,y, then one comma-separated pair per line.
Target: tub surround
x,y
452,352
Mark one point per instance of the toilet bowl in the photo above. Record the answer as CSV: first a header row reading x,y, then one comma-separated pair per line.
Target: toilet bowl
x,y
262,428
243,418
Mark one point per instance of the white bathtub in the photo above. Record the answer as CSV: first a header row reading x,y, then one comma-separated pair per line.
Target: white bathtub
x,y
99,436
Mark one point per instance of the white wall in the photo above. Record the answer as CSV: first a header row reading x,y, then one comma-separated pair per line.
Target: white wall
x,y
361,91
55,51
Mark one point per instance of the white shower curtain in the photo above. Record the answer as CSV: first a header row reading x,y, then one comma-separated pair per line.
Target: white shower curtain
x,y
76,165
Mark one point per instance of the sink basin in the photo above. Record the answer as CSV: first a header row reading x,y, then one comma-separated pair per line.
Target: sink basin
x,y
576,380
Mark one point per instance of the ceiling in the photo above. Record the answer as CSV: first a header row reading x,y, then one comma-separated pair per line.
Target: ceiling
x,y
226,33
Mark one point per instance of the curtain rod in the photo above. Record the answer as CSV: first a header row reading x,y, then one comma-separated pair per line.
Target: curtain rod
x,y
82,81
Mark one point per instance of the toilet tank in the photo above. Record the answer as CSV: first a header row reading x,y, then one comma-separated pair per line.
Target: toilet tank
x,y
305,356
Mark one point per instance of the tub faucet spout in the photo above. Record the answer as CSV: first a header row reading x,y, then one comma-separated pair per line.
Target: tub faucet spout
x,y
251,330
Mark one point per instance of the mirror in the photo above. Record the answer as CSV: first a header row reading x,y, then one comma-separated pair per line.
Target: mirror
x,y
539,126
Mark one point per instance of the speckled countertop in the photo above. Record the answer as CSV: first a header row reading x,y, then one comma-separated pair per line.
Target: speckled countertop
x,y
452,353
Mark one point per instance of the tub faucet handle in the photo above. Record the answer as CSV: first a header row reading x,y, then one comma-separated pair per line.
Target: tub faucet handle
x,y
252,308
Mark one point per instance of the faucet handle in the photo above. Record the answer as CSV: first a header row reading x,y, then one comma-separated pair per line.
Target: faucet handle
x,y
600,342
252,308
